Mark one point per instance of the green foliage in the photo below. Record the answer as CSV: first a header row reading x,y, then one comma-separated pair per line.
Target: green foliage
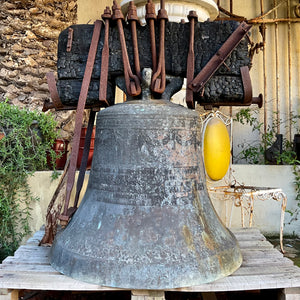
x,y
29,135
254,153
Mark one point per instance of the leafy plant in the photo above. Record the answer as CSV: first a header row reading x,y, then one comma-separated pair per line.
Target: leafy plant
x,y
254,153
28,136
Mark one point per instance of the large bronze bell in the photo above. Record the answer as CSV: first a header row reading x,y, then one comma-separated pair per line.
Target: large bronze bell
x,y
146,220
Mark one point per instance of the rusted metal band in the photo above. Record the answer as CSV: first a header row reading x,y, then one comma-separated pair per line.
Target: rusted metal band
x,y
53,93
79,116
104,60
190,68
246,79
217,60
85,156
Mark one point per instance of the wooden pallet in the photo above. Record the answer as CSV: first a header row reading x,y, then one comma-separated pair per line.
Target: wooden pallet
x,y
263,268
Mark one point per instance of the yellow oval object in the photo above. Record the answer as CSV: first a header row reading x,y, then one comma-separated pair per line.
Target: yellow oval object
x,y
216,149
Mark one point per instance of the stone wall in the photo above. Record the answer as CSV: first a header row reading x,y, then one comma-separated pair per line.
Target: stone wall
x,y
29,31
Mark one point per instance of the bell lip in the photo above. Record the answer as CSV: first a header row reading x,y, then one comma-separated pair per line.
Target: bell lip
x,y
196,280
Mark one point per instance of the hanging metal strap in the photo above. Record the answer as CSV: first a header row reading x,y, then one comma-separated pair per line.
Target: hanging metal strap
x,y
132,18
150,19
190,67
158,83
56,102
133,85
79,118
104,59
85,156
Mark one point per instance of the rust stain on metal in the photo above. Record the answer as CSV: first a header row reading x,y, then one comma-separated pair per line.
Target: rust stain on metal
x,y
188,237
208,241
70,39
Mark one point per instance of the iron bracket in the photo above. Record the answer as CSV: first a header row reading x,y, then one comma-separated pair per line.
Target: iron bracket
x,y
218,59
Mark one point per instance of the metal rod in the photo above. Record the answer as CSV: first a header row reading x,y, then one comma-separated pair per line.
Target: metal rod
x,y
277,70
231,11
132,82
150,19
158,83
106,16
290,70
132,18
190,61
261,7
269,11
264,69
275,20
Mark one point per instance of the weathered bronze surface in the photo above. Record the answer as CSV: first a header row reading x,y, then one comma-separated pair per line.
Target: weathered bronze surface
x,y
146,220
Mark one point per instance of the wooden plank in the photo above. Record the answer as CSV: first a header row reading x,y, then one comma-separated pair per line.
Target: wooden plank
x,y
147,295
14,295
29,268
255,245
291,294
230,283
258,270
57,282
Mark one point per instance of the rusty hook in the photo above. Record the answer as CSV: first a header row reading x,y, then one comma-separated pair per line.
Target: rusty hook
x,y
158,85
132,82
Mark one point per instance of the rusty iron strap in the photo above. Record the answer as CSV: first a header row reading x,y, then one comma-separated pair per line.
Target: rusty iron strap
x,y
190,68
79,118
104,60
53,93
246,79
132,82
158,83
85,156
150,19
217,60
133,19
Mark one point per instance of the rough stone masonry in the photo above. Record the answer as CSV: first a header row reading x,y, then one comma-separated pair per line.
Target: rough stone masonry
x,y
29,31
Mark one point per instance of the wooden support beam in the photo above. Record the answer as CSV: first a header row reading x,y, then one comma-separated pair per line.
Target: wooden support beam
x,y
290,294
147,295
